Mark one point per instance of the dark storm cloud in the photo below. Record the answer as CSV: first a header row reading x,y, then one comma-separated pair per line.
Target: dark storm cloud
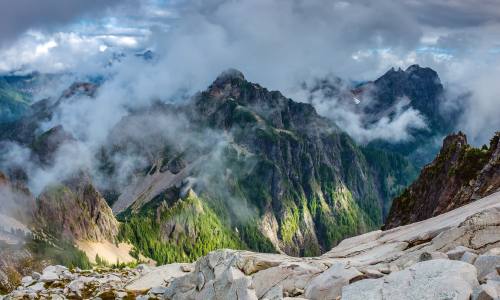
x,y
455,13
277,43
17,16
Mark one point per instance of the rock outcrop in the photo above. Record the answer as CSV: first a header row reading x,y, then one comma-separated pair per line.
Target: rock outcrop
x,y
75,211
459,175
428,280
41,231
425,260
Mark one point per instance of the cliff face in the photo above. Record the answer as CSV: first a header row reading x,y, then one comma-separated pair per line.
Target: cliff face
x,y
75,211
284,176
38,231
458,175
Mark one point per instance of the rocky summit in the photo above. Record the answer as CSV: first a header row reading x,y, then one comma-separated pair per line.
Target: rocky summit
x,y
458,175
455,255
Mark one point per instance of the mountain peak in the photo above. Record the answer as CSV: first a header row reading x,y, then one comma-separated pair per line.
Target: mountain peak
x,y
413,68
459,139
458,175
228,76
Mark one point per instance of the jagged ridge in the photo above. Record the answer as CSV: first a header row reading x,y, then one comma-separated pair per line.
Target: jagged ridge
x,y
458,175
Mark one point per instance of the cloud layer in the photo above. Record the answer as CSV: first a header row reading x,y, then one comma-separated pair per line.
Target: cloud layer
x,y
276,43
21,15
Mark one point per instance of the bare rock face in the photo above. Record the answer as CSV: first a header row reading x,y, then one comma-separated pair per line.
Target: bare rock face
x,y
76,211
157,276
487,263
216,276
459,175
434,279
328,285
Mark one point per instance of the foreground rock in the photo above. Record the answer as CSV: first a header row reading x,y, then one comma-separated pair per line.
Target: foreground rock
x,y
455,255
434,279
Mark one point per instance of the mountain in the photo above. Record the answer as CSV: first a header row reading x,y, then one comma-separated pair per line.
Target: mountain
x,y
277,176
423,88
459,175
241,167
237,166
26,129
75,211
18,92
420,85
417,89
53,228
13,101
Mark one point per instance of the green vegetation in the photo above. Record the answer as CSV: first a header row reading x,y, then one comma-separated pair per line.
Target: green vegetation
x,y
471,161
180,233
100,261
393,173
13,103
255,240
341,218
289,225
62,253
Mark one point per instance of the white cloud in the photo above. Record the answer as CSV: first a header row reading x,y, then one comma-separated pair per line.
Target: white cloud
x,y
275,43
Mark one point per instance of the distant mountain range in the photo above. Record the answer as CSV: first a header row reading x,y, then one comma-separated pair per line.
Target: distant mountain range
x,y
237,166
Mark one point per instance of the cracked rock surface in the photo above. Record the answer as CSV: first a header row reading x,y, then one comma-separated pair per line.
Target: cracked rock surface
x,y
455,255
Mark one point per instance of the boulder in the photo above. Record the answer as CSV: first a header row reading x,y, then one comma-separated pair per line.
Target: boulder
x,y
27,280
157,290
121,294
492,276
57,269
36,275
469,257
214,277
328,285
489,291
143,268
76,286
157,276
37,287
458,252
424,256
493,251
487,263
290,276
428,280
49,276
275,293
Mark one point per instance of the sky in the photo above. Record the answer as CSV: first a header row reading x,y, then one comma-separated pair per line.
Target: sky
x,y
277,43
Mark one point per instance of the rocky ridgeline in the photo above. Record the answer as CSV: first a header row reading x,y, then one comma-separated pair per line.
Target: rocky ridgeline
x,y
455,255
460,174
